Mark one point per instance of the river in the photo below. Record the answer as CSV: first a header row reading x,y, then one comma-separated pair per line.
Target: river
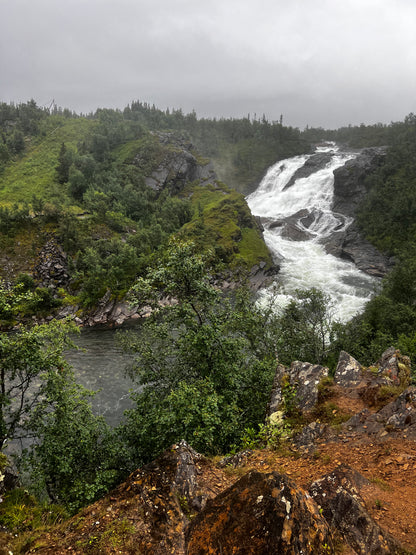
x,y
305,209
99,365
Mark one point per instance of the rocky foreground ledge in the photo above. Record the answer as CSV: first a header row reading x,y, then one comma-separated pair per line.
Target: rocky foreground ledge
x,y
338,486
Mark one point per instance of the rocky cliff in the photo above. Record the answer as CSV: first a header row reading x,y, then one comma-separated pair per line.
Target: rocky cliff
x,y
349,191
178,166
344,482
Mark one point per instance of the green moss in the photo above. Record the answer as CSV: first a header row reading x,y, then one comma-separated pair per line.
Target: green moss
x,y
222,221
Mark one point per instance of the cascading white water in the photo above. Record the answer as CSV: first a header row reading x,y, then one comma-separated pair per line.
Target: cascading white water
x,y
305,208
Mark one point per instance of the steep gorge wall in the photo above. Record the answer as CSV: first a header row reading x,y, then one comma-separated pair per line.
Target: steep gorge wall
x,y
349,191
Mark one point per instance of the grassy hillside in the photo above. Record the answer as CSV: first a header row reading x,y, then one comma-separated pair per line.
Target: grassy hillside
x,y
83,183
222,220
33,173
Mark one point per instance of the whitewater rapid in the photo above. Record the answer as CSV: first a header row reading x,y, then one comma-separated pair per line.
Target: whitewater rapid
x,y
303,210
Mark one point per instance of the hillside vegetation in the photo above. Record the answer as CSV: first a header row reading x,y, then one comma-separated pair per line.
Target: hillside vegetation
x,y
127,204
81,182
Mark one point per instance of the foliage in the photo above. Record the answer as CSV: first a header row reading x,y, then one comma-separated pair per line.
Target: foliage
x,y
205,361
30,361
72,456
20,511
24,299
222,218
306,328
75,457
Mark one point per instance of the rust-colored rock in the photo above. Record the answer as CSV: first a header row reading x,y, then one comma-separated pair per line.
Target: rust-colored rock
x,y
338,496
259,515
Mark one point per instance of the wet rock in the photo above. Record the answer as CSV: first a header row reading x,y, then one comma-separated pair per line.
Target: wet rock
x,y
349,179
348,372
178,166
260,514
51,269
352,246
292,226
304,378
306,440
349,191
342,506
295,233
261,276
312,165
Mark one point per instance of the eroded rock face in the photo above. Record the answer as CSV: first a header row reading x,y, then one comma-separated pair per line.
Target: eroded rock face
x,y
304,377
178,166
51,269
349,179
348,372
313,164
260,514
351,245
349,191
338,496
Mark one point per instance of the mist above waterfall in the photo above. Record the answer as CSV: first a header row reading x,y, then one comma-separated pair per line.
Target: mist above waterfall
x,y
297,219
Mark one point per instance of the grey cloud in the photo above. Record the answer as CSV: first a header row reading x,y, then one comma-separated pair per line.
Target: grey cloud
x,y
318,62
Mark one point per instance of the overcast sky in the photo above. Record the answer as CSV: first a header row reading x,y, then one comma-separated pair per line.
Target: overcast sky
x,y
317,62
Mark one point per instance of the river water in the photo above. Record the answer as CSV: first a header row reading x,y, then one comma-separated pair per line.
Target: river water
x,y
304,264
305,207
100,365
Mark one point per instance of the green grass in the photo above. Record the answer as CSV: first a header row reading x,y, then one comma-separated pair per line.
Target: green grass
x,y
34,172
222,221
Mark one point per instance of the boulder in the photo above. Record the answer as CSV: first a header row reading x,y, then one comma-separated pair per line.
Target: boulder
x,y
292,226
349,244
337,494
348,372
303,378
259,514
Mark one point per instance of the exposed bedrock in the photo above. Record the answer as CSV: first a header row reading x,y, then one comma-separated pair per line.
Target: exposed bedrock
x,y
349,191
312,165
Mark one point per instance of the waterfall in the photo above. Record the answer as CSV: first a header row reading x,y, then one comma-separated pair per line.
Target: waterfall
x,y
294,203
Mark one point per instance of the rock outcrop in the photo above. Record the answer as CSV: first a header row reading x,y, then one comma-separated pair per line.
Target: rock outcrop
x,y
349,191
302,378
260,514
178,166
349,179
51,269
312,164
338,497
248,504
